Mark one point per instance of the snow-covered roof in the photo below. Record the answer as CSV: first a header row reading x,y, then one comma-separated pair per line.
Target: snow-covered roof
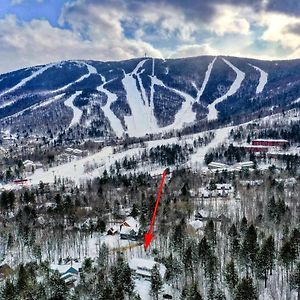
x,y
217,165
271,140
127,230
28,162
145,265
225,186
131,222
196,224
62,269
246,163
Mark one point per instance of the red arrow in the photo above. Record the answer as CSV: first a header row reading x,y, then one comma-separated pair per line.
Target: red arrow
x,y
149,235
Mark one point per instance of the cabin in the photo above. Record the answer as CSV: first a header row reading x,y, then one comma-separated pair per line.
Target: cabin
x,y
245,165
69,272
129,229
29,165
142,268
217,166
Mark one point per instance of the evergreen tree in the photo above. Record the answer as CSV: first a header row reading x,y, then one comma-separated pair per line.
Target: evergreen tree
x,y
22,282
249,248
156,282
193,293
231,276
245,290
210,232
8,292
265,259
295,280
234,241
288,254
244,225
57,287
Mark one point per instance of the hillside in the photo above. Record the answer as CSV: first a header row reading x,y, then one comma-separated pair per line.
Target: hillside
x,y
92,99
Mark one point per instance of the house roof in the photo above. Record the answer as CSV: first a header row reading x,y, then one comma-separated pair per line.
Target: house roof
x,y
66,268
131,222
271,140
141,265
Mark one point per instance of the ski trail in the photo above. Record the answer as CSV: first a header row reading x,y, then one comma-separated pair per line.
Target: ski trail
x,y
23,82
36,106
91,70
263,79
221,135
140,122
212,111
114,121
185,114
77,113
205,81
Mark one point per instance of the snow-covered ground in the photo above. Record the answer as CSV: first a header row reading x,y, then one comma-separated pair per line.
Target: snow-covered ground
x,y
77,113
221,135
212,111
141,120
263,79
91,70
23,82
37,106
185,115
205,81
115,122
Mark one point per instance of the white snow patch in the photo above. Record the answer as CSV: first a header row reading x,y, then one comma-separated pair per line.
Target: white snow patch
x,y
296,101
185,115
263,79
77,113
141,121
114,121
205,81
212,111
221,135
36,106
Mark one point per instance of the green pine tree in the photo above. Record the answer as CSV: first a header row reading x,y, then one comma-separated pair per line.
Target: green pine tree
x,y
156,282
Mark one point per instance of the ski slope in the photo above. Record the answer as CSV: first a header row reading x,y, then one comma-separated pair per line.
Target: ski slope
x,y
114,121
23,82
212,111
91,70
185,115
37,106
263,79
140,122
221,135
77,113
205,81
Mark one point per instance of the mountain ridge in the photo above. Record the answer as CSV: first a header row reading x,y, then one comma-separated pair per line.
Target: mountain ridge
x,y
143,96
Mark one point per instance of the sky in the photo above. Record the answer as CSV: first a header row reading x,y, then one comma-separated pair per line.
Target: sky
x,y
34,32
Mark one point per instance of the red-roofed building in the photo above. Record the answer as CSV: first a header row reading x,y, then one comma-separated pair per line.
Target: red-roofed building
x,y
269,142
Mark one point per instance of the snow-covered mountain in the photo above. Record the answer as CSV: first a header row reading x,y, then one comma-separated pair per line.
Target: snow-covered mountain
x,y
144,95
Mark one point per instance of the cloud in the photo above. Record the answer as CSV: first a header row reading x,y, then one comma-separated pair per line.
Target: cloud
x,y
289,7
293,28
194,50
37,42
231,19
280,28
121,29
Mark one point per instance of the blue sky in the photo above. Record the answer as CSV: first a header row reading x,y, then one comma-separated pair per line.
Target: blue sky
x,y
41,31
